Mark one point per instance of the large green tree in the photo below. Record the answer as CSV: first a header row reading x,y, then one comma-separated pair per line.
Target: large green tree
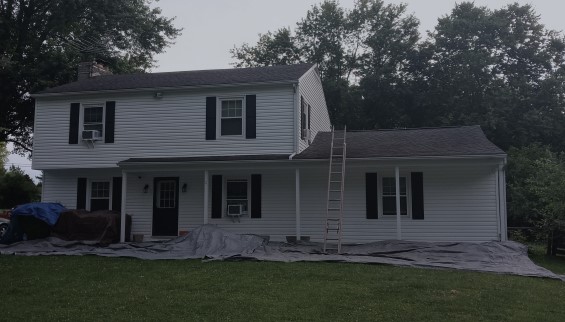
x,y
42,41
364,56
501,69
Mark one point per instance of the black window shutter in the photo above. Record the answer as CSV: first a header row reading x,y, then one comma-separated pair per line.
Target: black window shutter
x,y
250,117
74,123
117,194
216,196
417,182
110,122
371,195
211,118
81,193
255,196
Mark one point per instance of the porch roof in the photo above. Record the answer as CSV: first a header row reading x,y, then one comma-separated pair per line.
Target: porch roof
x,y
403,143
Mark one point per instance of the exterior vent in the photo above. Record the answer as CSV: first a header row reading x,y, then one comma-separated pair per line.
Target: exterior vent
x,y
91,135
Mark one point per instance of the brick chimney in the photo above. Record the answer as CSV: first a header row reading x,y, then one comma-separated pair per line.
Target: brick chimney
x,y
92,69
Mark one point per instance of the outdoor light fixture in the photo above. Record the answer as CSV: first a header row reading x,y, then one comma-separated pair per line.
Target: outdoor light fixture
x,y
146,188
158,94
184,187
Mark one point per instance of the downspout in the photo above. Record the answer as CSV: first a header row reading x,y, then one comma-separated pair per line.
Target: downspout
x,y
295,111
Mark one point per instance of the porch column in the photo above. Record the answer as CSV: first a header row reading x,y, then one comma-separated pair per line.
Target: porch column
x,y
297,199
206,196
502,197
397,184
123,210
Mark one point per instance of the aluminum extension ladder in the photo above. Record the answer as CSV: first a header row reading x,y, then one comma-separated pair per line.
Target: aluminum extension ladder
x,y
336,180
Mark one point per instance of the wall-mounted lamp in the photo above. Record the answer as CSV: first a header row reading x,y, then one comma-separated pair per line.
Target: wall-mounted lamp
x,y
158,94
184,187
146,188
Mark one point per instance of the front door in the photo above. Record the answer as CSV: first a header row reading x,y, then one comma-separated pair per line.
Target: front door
x,y
166,207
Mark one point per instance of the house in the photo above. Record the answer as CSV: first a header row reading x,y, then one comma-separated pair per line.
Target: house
x,y
247,150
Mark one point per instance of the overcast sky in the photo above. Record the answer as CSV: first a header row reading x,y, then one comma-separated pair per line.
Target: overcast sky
x,y
213,27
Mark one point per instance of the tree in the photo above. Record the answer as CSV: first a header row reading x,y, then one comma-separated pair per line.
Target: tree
x,y
536,188
359,52
43,41
3,156
501,69
17,188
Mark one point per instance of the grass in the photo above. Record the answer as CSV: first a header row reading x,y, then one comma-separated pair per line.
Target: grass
x,y
56,288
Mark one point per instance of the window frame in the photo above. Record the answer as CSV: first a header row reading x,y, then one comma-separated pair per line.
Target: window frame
x,y
219,116
303,119
381,214
83,107
89,191
225,181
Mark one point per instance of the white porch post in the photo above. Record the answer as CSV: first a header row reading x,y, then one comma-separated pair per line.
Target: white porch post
x,y
297,199
502,196
206,196
397,184
123,210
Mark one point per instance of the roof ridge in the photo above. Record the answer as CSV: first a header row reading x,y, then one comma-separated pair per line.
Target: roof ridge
x,y
204,70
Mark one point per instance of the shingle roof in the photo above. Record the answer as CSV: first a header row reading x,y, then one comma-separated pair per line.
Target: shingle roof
x,y
423,142
401,143
281,73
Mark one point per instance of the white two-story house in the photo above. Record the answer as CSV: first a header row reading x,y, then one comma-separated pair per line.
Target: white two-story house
x,y
175,150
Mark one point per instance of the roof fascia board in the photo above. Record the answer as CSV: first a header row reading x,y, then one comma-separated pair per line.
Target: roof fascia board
x,y
172,88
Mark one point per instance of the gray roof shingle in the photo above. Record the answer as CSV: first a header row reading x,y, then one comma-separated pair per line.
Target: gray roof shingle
x,y
282,73
423,142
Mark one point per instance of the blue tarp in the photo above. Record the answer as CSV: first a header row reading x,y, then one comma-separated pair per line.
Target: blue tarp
x,y
47,212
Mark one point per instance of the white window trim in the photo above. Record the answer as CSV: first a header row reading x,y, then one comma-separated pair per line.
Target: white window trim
x,y
408,215
89,192
219,117
225,194
81,119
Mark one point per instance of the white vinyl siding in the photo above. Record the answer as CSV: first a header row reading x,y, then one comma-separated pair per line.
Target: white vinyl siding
x,y
310,87
172,126
459,201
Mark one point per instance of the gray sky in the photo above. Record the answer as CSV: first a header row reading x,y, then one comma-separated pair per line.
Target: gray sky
x,y
213,27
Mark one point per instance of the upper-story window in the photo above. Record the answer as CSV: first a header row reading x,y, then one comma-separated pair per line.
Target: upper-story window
x,y
303,119
93,120
231,117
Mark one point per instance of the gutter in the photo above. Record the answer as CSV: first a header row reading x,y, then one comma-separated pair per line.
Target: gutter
x,y
169,88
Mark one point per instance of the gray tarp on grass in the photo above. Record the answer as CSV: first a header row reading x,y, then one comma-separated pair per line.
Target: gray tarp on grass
x,y
213,243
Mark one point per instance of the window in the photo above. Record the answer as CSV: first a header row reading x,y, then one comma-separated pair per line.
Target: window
x,y
100,195
231,117
236,194
303,120
389,196
93,119
167,190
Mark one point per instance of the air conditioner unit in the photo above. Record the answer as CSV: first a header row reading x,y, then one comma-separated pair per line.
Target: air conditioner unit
x,y
91,135
234,210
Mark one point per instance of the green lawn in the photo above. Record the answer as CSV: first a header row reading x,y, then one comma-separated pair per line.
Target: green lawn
x,y
112,289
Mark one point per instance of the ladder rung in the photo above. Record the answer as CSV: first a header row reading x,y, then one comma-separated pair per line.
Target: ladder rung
x,y
335,181
334,209
335,190
335,200
333,219
336,172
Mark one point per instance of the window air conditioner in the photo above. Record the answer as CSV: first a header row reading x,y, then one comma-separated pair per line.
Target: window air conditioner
x,y
234,210
91,135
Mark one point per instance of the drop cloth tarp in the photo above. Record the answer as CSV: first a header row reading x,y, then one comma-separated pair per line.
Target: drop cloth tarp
x,y
212,243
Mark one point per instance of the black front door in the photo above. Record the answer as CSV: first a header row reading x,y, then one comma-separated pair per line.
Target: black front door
x,y
166,206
